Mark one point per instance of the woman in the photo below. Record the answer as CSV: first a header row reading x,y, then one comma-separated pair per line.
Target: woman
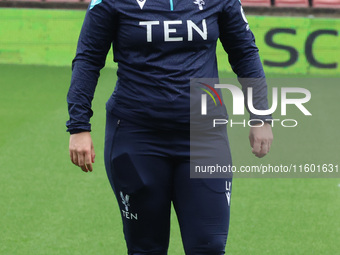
x,y
159,46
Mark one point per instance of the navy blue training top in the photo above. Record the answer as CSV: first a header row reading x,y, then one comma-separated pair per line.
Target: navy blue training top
x,y
159,45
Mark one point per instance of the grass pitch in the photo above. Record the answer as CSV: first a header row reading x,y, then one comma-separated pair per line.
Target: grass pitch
x,y
48,206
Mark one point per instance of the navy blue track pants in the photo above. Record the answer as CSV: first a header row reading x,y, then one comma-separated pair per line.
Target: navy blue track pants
x,y
148,169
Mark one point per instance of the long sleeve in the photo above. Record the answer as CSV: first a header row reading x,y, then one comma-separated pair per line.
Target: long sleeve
x,y
94,42
239,42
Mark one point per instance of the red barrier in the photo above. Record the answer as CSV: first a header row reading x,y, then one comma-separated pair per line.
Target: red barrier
x,y
291,3
326,3
266,3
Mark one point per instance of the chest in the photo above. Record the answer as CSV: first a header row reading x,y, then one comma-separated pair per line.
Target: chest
x,y
148,22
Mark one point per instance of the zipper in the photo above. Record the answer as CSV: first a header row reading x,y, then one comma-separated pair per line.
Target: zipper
x,y
171,5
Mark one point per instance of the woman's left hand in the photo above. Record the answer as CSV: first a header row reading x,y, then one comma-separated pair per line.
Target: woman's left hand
x,y
261,138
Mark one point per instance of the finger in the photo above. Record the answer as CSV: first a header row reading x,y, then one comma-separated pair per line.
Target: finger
x,y
71,156
93,155
87,167
84,169
81,161
264,149
74,158
256,148
88,162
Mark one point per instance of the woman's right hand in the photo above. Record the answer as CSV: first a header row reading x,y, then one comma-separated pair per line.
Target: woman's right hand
x,y
82,151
